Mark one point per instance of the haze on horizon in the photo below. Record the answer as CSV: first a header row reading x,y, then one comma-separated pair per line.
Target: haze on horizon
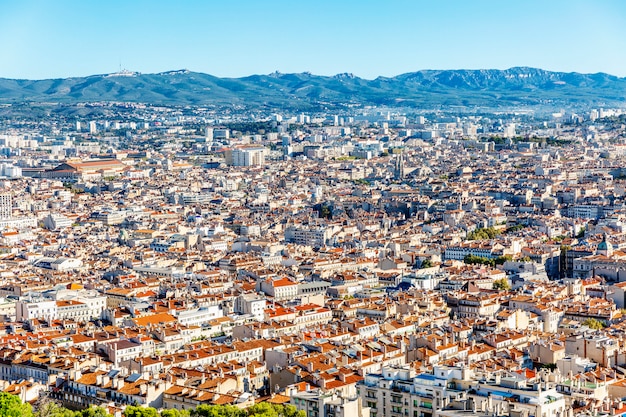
x,y
67,38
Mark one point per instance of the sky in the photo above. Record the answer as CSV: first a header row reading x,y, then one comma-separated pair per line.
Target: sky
x,y
42,39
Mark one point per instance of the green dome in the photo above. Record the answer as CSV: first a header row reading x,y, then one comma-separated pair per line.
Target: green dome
x,y
605,246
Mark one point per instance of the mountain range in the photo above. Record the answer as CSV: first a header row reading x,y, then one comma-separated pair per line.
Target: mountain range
x,y
514,87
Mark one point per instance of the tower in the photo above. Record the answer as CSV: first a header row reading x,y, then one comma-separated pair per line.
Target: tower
x,y
6,210
605,248
399,168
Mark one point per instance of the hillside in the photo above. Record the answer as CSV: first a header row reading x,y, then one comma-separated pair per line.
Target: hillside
x,y
519,86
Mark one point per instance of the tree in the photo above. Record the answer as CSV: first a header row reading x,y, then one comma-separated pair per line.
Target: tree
x,y
46,407
325,212
483,233
426,263
12,406
501,284
93,412
137,411
265,409
594,324
204,410
262,409
515,228
481,260
174,413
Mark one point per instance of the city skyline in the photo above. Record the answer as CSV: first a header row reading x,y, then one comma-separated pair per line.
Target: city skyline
x,y
69,39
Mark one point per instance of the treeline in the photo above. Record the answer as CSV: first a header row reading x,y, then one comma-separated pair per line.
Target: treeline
x,y
492,262
483,233
12,406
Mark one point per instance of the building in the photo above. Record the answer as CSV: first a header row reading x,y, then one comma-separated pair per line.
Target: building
x,y
402,392
86,170
6,207
318,403
245,156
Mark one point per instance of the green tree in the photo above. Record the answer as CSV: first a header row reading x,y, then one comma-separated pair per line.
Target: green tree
x,y
325,212
204,410
483,233
515,228
262,410
174,413
11,406
480,260
137,411
93,411
594,324
501,284
46,407
265,409
426,263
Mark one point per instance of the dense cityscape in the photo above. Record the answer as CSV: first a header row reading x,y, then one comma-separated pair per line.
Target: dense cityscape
x,y
370,262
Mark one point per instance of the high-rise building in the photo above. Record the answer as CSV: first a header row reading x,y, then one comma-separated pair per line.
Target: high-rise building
x,y
6,206
221,133
509,130
399,167
246,156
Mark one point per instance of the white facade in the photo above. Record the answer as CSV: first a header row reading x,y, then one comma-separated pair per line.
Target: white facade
x,y
249,156
36,309
200,316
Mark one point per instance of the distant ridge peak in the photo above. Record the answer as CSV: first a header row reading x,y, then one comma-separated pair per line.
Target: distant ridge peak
x,y
124,73
345,75
175,72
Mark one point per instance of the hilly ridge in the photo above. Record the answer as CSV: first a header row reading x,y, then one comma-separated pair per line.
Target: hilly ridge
x,y
519,86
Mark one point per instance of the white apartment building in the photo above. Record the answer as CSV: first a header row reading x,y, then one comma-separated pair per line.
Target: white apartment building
x,y
200,316
316,236
6,206
36,308
246,156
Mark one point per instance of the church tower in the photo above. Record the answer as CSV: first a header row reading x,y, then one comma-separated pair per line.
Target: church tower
x,y
605,248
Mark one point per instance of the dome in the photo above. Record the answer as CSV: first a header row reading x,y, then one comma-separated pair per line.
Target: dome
x,y
605,247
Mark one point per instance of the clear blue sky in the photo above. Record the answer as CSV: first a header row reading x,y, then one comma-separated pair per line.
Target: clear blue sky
x,y
63,38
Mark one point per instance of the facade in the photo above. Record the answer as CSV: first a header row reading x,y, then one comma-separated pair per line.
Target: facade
x,y
327,404
6,206
245,156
